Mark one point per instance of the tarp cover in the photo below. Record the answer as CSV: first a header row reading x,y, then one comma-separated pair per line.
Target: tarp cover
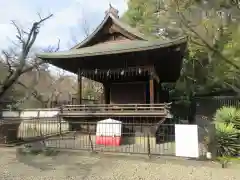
x,y
109,127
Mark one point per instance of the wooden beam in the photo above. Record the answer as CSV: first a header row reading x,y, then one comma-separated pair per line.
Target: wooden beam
x,y
79,86
158,88
151,90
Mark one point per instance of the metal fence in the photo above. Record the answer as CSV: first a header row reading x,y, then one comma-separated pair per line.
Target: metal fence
x,y
207,106
138,135
19,130
201,106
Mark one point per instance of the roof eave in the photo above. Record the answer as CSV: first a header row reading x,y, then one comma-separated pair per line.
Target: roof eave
x,y
57,55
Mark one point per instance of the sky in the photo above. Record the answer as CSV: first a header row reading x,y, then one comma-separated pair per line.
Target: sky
x,y
69,17
65,25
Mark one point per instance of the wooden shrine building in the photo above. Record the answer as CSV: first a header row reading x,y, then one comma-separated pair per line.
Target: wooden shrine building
x,y
130,66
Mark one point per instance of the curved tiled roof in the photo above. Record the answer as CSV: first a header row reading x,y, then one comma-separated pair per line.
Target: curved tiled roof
x,y
113,48
135,42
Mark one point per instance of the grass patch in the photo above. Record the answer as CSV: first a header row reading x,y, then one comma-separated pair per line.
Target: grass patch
x,y
50,152
45,151
225,161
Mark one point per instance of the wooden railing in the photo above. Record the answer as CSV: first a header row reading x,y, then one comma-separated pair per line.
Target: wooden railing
x,y
116,109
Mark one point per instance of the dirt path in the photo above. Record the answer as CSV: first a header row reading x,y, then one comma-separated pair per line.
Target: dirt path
x,y
81,166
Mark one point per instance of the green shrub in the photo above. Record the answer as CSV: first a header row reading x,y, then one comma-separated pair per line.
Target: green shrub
x,y
228,115
227,139
227,123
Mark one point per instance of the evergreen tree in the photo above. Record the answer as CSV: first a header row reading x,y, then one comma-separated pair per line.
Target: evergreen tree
x,y
212,61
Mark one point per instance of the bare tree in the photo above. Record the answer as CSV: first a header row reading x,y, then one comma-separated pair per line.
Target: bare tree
x,y
84,28
92,90
20,63
55,90
49,90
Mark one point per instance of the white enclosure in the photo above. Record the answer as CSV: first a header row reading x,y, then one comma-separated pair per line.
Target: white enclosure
x,y
35,128
186,137
37,122
30,113
11,114
109,127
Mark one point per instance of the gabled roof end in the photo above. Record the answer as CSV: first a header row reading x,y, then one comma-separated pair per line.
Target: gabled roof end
x,y
112,11
112,14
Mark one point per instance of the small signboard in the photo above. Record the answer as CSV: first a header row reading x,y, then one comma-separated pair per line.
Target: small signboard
x,y
186,139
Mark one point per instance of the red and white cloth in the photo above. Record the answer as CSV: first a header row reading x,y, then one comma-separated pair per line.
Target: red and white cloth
x,y
109,132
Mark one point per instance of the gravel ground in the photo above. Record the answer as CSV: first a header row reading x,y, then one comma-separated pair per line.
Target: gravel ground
x,y
84,166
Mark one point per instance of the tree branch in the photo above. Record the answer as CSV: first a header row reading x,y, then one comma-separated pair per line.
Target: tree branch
x,y
19,33
9,65
22,58
184,21
34,92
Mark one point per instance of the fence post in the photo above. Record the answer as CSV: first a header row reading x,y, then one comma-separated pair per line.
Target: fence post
x,y
60,121
90,140
89,136
40,129
212,141
148,145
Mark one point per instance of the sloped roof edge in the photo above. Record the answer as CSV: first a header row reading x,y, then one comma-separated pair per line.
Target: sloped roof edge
x,y
117,21
130,46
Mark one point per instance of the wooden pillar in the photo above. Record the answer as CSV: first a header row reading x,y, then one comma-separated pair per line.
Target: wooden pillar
x,y
107,93
151,90
79,86
158,89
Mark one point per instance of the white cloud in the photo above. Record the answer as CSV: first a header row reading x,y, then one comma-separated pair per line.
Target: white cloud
x,y
66,17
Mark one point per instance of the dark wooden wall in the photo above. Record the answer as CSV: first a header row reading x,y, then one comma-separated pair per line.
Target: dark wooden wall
x,y
128,93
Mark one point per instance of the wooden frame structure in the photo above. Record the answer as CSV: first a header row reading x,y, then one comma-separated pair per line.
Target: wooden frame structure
x,y
116,110
116,53
131,68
